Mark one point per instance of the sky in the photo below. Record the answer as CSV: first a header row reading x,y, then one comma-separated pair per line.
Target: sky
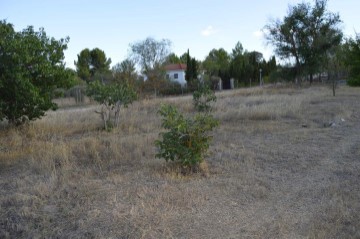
x,y
197,25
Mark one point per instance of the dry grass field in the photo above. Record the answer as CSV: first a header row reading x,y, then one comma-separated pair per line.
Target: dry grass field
x,y
284,163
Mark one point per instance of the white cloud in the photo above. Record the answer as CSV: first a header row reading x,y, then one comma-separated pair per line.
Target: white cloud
x,y
208,31
258,33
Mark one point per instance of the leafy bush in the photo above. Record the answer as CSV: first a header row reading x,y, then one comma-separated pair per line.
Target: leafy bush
x,y
352,60
172,88
355,81
111,97
187,139
31,69
202,98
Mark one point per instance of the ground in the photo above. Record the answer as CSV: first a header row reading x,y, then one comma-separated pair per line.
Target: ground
x,y
284,163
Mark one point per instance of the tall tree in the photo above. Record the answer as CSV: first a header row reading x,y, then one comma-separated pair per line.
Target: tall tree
x,y
183,58
99,62
83,65
172,58
217,62
352,60
191,68
31,68
125,71
237,51
238,63
256,63
150,55
91,63
305,35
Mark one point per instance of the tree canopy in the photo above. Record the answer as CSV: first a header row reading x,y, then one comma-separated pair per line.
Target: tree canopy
x,y
125,72
91,63
217,62
191,68
305,35
172,58
352,60
150,54
31,68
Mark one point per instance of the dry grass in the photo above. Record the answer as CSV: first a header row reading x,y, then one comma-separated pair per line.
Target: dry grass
x,y
284,164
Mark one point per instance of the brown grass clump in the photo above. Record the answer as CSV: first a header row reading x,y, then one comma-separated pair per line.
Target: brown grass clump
x,y
283,164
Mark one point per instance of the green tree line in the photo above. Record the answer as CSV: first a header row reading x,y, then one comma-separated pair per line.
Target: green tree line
x,y
308,45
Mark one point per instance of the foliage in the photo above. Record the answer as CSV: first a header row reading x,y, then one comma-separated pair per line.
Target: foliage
x,y
150,55
31,69
241,65
111,97
191,73
202,98
305,35
245,66
352,60
217,63
173,88
336,68
187,139
125,72
172,58
92,63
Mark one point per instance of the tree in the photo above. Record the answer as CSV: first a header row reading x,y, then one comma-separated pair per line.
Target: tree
x,y
172,59
272,68
183,57
125,71
92,63
111,97
217,62
352,60
305,35
191,68
237,51
255,63
238,63
31,68
150,55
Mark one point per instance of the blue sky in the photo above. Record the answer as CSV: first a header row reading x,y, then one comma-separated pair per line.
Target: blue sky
x,y
200,25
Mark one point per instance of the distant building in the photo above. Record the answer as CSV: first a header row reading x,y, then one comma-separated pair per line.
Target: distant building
x,y
176,73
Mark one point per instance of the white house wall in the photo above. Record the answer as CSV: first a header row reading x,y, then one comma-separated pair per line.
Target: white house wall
x,y
181,76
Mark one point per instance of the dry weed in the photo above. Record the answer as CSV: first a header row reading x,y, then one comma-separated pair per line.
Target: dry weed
x,y
277,169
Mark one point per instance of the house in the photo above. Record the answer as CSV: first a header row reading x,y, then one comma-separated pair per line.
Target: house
x,y
176,73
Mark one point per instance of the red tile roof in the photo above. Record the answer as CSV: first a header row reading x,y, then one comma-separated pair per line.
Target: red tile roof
x,y
174,67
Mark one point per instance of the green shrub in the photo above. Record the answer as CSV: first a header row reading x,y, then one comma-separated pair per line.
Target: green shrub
x,y
203,97
355,81
111,97
187,139
172,88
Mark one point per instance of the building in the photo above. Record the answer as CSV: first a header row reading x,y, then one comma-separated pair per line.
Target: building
x,y
176,73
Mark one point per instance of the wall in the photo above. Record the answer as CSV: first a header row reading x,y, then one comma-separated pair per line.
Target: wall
x,y
181,76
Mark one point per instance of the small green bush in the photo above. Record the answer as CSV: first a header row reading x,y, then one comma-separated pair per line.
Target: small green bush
x,y
203,97
111,97
187,139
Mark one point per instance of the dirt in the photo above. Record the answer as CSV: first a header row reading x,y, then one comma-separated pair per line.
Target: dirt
x,y
288,176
